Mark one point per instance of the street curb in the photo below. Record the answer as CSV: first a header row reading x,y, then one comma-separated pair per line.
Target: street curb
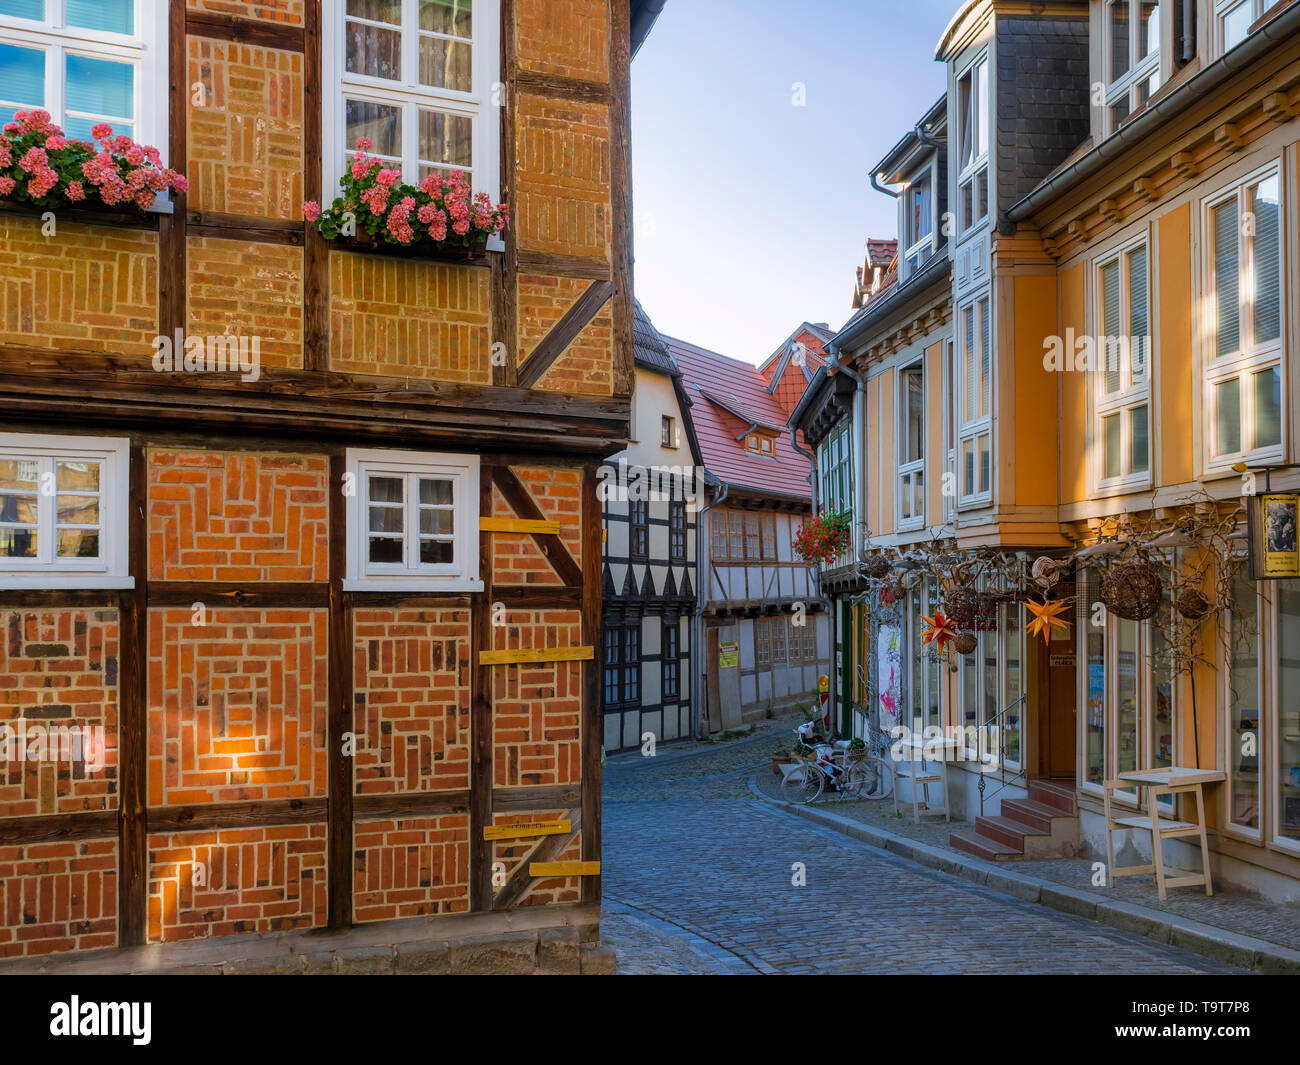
x,y
1245,952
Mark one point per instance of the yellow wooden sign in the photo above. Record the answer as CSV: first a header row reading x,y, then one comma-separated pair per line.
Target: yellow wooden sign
x,y
544,869
527,828
518,525
538,654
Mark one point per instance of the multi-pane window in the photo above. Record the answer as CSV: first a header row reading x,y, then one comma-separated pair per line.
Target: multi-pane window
x,y
1243,304
639,528
976,405
1131,57
762,642
918,223
622,671
413,517
670,660
668,431
1243,717
769,537
415,77
835,462
63,512
780,629
86,62
973,116
1122,386
743,536
753,544
1233,19
677,530
911,447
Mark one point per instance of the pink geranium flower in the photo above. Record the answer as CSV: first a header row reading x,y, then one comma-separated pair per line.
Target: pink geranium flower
x,y
76,191
101,130
311,210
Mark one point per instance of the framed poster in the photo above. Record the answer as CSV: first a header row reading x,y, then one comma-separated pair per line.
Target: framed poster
x,y
1274,520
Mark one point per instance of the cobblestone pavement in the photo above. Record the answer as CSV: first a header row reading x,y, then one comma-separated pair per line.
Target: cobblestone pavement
x,y
698,878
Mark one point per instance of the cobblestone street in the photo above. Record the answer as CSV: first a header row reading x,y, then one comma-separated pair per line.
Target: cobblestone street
x,y
698,879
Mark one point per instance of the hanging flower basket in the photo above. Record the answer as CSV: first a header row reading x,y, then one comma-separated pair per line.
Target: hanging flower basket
x,y
1132,590
438,212
41,167
824,538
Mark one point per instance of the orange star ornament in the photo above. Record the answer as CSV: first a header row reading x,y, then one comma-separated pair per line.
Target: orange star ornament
x,y
941,630
1047,620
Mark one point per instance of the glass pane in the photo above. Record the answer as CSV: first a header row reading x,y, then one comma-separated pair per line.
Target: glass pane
x,y
1139,435
968,467
1266,260
386,519
78,543
33,9
22,75
437,552
17,543
387,489
981,194
915,418
111,16
1110,446
1119,112
986,363
981,112
1148,28
453,17
374,52
382,123
1126,693
1236,25
986,470
1268,406
1227,417
18,509
1110,324
1162,711
969,366
78,510
79,128
100,87
446,64
441,522
80,476
970,690
19,474
1139,320
435,492
1288,701
1095,681
1243,715
445,139
1119,38
1011,720
389,11
384,549
1226,279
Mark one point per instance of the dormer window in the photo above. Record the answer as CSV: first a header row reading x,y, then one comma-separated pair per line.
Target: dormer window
x,y
973,178
918,225
1131,57
761,444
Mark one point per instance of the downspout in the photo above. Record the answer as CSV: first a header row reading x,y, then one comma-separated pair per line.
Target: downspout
x,y
1189,31
812,482
698,683
875,184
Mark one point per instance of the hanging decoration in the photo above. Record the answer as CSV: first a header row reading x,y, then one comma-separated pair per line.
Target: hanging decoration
x,y
1047,619
965,643
940,630
1132,590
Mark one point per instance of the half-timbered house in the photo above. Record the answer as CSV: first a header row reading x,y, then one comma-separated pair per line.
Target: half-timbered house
x,y
332,627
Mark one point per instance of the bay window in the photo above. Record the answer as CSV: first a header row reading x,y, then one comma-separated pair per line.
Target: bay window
x,y
976,422
973,143
1130,56
1244,381
1121,392
835,464
415,77
918,224
911,448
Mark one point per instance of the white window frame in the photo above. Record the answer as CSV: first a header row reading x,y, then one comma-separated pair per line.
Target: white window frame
x,y
463,575
1224,8
1139,70
950,428
1260,621
907,471
111,568
1134,391
974,122
1250,358
923,247
969,430
339,85
146,50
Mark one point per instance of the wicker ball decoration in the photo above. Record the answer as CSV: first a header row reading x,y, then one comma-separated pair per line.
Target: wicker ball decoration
x,y
876,567
962,607
1192,604
1046,571
1132,590
965,643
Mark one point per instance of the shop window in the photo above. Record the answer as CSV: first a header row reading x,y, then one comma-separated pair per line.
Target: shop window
x,y
1287,819
1244,736
1093,637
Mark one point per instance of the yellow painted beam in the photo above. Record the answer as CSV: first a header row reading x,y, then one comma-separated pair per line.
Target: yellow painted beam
x,y
544,869
539,654
518,525
527,828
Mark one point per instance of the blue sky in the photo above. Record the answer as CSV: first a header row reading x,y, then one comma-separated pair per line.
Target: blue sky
x,y
750,212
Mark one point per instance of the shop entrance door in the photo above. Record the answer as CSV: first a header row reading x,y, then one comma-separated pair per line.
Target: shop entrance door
x,y
1058,698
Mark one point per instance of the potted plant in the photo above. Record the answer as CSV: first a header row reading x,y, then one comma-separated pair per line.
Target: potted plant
x,y
780,757
824,538
41,167
803,753
857,748
377,208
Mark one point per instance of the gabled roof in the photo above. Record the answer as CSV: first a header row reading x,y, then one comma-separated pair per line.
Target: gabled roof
x,y
649,350
728,396
821,330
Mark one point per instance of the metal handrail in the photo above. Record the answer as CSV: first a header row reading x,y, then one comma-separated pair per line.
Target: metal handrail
x,y
1002,751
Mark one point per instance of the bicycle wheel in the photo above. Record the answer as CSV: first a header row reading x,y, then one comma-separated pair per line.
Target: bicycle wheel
x,y
803,784
870,778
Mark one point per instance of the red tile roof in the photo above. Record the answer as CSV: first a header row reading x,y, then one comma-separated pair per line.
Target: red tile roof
x,y
737,385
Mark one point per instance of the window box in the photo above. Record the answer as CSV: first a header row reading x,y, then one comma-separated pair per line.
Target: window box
x,y
63,512
412,522
470,254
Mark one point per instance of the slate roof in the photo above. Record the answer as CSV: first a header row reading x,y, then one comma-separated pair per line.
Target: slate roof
x,y
718,388
650,351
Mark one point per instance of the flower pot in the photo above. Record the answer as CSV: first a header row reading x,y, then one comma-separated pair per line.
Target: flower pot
x,y
778,761
475,254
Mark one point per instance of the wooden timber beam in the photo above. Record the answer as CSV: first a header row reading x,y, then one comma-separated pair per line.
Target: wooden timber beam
x,y
564,332
523,504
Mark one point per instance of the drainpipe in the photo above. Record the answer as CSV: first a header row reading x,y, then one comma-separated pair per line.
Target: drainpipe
x,y
812,481
698,683
1189,31
875,184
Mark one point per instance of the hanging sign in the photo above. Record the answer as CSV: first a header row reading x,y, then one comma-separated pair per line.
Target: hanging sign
x,y
1274,520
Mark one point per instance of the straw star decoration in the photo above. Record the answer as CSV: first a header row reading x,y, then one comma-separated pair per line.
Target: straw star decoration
x,y
940,630
1047,620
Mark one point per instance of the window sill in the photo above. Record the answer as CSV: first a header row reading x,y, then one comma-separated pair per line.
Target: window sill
x,y
469,255
50,580
429,585
1107,490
